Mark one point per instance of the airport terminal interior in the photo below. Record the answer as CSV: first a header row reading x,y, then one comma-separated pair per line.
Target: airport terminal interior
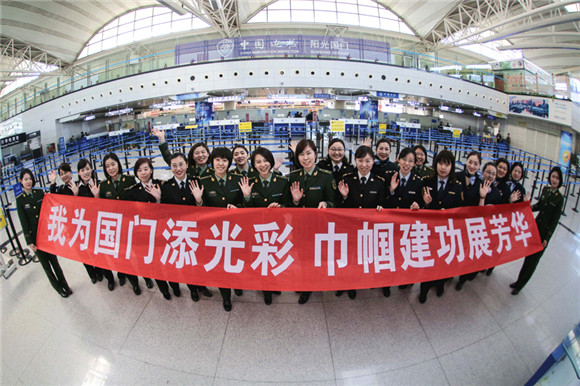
x,y
79,80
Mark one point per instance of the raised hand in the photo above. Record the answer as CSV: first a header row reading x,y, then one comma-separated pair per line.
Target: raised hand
x,y
322,205
516,195
414,206
293,145
155,191
196,190
427,196
296,191
74,187
279,163
274,205
52,177
367,142
343,189
159,134
484,189
246,188
94,188
394,182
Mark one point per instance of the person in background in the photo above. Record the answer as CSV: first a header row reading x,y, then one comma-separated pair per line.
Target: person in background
x,y
28,205
361,189
550,208
87,187
310,186
382,162
421,168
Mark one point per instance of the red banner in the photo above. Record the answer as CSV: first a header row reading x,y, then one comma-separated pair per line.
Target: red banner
x,y
284,248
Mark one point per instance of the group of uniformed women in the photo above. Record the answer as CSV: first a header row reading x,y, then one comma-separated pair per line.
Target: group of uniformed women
x,y
204,178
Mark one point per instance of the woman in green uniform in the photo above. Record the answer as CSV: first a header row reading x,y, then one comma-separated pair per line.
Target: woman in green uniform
x,y
310,187
550,207
267,190
114,188
220,189
28,205
421,169
197,158
243,167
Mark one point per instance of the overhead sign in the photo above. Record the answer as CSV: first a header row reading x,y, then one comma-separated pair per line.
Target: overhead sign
x,y
12,140
385,94
382,128
337,126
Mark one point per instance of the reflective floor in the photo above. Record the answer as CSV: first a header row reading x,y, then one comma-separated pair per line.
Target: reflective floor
x,y
480,335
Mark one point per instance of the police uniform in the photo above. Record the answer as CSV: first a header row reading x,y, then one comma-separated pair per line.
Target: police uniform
x,y
380,168
423,171
249,172
277,190
504,190
550,207
173,193
404,196
217,195
516,186
338,172
192,170
450,197
318,186
28,207
470,189
95,273
61,189
264,192
369,194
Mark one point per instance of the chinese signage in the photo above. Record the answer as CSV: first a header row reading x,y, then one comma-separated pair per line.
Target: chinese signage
x,y
245,127
282,45
337,126
12,140
285,248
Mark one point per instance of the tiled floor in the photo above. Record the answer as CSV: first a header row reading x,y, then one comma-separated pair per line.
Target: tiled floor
x,y
480,335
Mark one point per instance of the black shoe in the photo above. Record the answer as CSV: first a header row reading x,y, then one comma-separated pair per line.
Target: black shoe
x,y
100,276
63,293
459,286
166,295
148,283
277,292
304,296
338,293
137,290
351,294
177,292
68,290
514,284
386,291
205,292
227,305
516,291
238,292
111,285
194,295
440,290
489,271
268,298
404,286
94,279
122,279
422,298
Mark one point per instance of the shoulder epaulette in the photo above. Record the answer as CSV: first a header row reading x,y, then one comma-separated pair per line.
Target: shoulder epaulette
x,y
132,186
204,177
278,176
296,171
380,178
325,171
347,174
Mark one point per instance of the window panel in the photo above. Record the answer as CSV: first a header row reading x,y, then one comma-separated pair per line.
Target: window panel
x,y
278,16
161,29
405,29
303,16
348,19
164,18
143,13
109,43
302,5
369,21
125,38
181,25
161,11
370,11
142,23
386,14
197,23
325,5
143,33
127,18
325,17
284,4
391,25
124,28
348,8
261,17
109,33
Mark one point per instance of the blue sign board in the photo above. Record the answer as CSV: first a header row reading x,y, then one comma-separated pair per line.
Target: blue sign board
x,y
61,145
17,188
565,149
282,45
322,96
386,94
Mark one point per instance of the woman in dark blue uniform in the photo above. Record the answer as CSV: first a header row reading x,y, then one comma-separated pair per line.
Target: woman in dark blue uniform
x,y
361,189
503,167
442,191
469,176
220,189
310,186
336,161
65,174
147,190
550,207
87,187
28,206
267,190
516,182
382,162
176,191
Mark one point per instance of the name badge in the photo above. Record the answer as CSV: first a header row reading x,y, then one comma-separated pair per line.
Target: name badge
x,y
108,194
411,192
212,193
315,188
373,192
451,192
26,206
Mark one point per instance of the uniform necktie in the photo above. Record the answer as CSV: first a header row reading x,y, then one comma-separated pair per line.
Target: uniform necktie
x,y
116,183
245,173
222,183
441,189
403,182
265,184
336,168
306,178
363,180
197,171
182,185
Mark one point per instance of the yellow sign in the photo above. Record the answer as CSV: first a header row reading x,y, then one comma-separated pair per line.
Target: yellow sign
x,y
245,127
2,220
456,133
337,126
382,128
191,127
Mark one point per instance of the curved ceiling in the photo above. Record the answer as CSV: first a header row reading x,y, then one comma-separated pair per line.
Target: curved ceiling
x,y
545,30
